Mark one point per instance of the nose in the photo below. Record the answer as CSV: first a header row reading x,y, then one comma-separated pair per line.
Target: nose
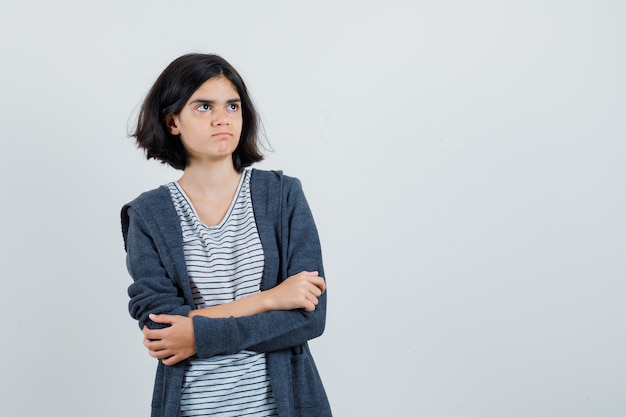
x,y
220,117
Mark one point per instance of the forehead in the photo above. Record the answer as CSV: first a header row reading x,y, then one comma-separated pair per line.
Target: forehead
x,y
216,87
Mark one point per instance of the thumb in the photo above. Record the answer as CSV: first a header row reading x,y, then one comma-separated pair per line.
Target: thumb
x,y
161,318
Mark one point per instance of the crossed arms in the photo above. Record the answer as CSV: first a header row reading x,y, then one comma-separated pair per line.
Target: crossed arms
x,y
177,342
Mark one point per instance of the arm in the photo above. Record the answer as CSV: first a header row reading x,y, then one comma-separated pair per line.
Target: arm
x,y
301,251
299,291
264,331
154,289
154,292
177,341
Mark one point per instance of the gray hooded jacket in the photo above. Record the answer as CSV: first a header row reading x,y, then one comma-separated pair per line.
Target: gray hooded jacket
x,y
156,263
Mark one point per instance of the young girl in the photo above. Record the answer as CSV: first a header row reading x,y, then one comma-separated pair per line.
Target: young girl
x,y
226,262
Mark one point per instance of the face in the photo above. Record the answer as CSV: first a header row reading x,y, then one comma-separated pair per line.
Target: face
x,y
210,123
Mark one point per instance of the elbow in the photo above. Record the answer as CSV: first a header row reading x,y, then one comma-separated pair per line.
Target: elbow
x,y
317,322
318,317
318,330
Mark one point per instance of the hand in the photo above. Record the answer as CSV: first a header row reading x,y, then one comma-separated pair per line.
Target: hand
x,y
171,344
298,291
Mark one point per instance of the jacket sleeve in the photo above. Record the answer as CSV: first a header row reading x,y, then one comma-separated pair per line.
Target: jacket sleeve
x,y
153,289
274,330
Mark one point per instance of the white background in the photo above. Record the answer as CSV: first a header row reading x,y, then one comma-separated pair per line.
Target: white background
x,y
465,162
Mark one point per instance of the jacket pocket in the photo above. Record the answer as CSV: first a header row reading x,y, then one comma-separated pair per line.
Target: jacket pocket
x,y
308,392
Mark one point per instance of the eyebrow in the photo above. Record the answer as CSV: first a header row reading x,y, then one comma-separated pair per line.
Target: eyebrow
x,y
205,101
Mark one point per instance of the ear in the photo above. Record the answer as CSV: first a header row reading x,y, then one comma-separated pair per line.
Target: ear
x,y
170,122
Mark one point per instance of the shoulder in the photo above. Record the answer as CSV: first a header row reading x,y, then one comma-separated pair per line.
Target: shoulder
x,y
272,180
152,201
149,198
273,192
265,177
149,205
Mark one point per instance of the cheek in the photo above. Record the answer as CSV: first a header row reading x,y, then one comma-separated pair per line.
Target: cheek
x,y
238,126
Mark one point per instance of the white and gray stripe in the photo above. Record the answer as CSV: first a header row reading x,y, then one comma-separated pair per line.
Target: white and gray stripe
x,y
225,263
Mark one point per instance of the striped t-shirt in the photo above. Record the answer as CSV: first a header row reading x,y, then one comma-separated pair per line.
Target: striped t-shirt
x,y
225,263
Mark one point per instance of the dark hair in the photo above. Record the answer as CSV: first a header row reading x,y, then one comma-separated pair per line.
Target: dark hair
x,y
170,93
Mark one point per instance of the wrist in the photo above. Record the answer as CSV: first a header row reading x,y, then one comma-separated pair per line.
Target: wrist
x,y
266,301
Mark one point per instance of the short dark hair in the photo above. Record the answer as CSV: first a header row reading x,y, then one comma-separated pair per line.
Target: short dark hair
x,y
170,93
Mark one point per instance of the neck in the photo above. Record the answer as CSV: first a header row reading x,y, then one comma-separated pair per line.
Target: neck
x,y
210,179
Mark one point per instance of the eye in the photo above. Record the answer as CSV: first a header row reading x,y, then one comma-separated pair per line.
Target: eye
x,y
233,107
204,107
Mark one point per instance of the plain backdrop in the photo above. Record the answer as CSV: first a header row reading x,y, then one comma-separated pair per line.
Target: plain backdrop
x,y
465,163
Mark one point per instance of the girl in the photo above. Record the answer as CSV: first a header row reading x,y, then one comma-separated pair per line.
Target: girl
x,y
226,262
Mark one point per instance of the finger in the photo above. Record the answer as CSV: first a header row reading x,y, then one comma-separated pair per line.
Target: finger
x,y
310,307
310,303
316,291
160,354
312,288
154,334
313,300
307,274
318,282
147,333
162,318
171,360
153,344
